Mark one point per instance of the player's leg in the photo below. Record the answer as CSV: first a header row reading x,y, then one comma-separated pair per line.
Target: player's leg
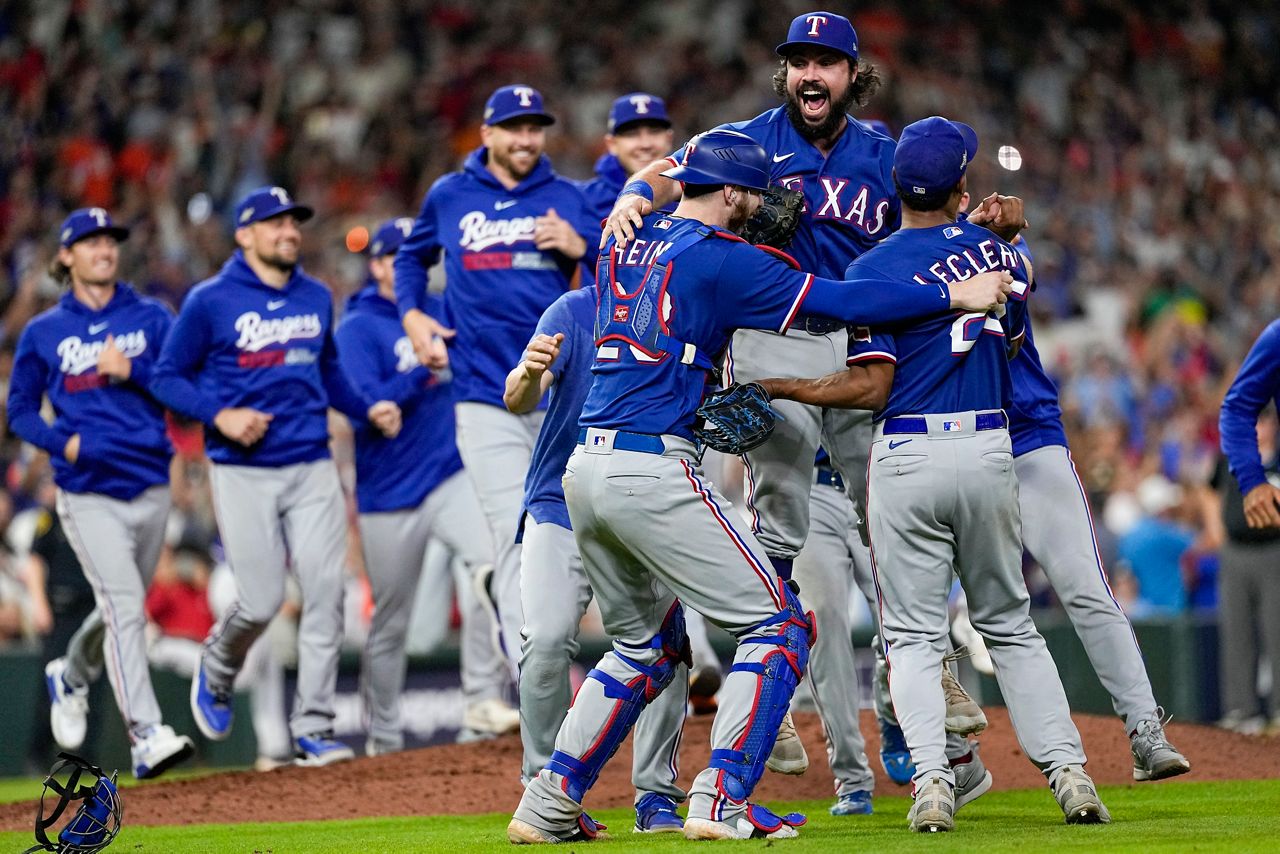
x,y
824,571
394,544
1264,569
707,674
1239,605
69,677
496,447
313,514
655,765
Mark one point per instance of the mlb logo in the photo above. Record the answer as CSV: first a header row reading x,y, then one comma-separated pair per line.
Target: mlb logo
x,y
662,224
952,231
621,313
950,426
599,440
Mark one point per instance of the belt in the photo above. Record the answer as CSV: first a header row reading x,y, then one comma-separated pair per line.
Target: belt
x,y
828,477
643,443
917,424
819,325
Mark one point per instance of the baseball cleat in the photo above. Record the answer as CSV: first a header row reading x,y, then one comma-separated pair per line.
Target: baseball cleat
x,y
894,755
964,716
68,706
973,780
521,832
756,822
657,814
320,749
1078,797
1154,758
788,755
212,710
158,750
492,717
854,803
934,807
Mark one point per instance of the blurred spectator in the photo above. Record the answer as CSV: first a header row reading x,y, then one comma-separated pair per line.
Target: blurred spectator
x,y
1153,548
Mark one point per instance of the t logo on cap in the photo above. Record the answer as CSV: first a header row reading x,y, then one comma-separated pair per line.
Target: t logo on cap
x,y
641,103
815,21
525,94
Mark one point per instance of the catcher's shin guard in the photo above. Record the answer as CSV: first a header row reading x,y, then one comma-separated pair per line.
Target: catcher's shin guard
x,y
668,648
777,651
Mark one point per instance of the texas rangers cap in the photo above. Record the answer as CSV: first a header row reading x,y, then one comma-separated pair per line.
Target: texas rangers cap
x,y
514,102
826,29
637,107
933,154
87,222
266,202
387,239
723,157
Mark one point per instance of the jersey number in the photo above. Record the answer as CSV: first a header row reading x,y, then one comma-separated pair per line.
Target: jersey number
x,y
967,328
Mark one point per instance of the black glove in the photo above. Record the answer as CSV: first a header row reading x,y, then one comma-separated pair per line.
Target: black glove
x,y
736,419
774,223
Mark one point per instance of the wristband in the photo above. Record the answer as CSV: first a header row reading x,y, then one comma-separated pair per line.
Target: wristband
x,y
639,188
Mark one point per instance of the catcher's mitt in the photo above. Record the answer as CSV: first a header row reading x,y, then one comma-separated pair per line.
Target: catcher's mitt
x,y
736,419
774,223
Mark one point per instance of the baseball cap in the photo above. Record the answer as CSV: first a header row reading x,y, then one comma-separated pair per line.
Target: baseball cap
x,y
722,157
387,239
933,154
266,202
514,102
87,222
826,29
637,107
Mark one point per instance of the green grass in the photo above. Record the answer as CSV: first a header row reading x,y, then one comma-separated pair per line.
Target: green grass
x,y
1233,816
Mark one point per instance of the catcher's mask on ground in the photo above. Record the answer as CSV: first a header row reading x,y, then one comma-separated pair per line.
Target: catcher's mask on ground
x,y
94,825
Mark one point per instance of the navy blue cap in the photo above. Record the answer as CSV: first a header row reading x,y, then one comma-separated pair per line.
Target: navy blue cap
x,y
723,157
514,102
387,239
825,29
637,107
87,222
266,202
933,155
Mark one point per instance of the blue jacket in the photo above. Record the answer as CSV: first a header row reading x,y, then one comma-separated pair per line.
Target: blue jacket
x,y
1256,385
395,474
601,192
499,282
124,449
240,342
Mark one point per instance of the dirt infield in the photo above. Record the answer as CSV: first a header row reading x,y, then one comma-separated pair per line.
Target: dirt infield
x,y
482,777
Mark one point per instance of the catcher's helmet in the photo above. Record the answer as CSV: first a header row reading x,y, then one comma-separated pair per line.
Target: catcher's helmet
x,y
97,821
723,157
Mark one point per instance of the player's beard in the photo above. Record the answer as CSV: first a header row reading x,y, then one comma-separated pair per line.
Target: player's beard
x,y
504,160
275,259
741,212
828,127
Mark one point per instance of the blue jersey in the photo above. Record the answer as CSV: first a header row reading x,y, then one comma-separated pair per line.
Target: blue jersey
x,y
600,192
240,342
700,295
124,449
574,314
395,474
952,363
498,281
1035,418
1256,385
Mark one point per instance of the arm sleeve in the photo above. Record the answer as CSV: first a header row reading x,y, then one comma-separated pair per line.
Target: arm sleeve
x,y
358,353
26,393
183,354
1254,386
871,345
142,368
420,250
343,396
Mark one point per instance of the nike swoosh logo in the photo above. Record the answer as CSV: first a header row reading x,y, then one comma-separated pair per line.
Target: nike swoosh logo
x,y
272,305
778,158
502,206
96,328
893,445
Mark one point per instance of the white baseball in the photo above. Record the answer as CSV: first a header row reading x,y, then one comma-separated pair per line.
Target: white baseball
x,y
1009,157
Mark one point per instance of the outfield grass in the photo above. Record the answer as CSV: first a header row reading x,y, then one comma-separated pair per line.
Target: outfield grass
x,y
1233,816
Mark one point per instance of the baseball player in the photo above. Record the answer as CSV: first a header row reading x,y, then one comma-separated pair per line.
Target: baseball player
x,y
409,489
512,232
252,358
92,356
652,533
941,490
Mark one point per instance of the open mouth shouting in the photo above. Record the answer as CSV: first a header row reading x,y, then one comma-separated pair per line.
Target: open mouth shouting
x,y
814,100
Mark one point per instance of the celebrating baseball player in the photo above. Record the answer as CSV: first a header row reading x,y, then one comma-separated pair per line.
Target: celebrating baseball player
x,y
512,232
650,529
92,355
409,489
941,488
252,358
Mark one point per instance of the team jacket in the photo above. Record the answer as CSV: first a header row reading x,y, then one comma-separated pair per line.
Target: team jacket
x,y
124,449
399,473
498,281
241,342
600,192
1256,385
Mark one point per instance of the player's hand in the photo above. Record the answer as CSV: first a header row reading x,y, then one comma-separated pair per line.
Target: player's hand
x,y
428,336
552,231
242,425
385,415
112,362
71,450
541,354
982,292
1262,506
627,215
1002,214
